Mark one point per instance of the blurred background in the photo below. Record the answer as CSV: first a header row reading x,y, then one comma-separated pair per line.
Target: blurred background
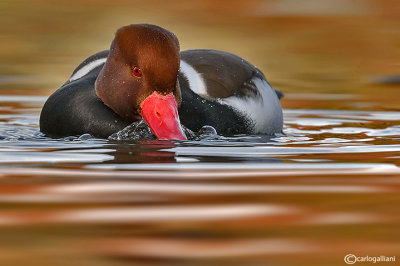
x,y
328,187
313,46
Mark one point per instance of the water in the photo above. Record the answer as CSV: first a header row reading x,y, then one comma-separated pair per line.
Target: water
x,y
329,186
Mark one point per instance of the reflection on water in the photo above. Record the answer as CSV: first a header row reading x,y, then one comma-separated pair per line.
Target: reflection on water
x,y
315,192
327,187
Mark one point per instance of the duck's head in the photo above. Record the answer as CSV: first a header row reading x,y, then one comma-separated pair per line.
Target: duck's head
x,y
140,78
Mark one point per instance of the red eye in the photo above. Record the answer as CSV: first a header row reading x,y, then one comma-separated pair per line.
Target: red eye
x,y
137,72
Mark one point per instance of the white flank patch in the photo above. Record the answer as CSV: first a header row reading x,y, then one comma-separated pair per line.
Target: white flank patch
x,y
196,82
87,68
264,111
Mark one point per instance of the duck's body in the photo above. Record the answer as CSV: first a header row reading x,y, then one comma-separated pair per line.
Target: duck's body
x,y
75,108
216,88
223,90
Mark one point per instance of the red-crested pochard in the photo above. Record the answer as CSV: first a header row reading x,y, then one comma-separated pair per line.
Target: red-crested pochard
x,y
145,76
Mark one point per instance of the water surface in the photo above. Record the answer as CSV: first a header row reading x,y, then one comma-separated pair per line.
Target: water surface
x,y
327,186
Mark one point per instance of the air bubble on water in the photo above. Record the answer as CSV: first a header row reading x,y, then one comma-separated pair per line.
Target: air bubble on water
x,y
85,137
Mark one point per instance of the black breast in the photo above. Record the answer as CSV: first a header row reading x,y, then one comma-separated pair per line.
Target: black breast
x,y
75,109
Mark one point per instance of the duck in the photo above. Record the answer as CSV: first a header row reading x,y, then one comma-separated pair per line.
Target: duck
x,y
144,76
